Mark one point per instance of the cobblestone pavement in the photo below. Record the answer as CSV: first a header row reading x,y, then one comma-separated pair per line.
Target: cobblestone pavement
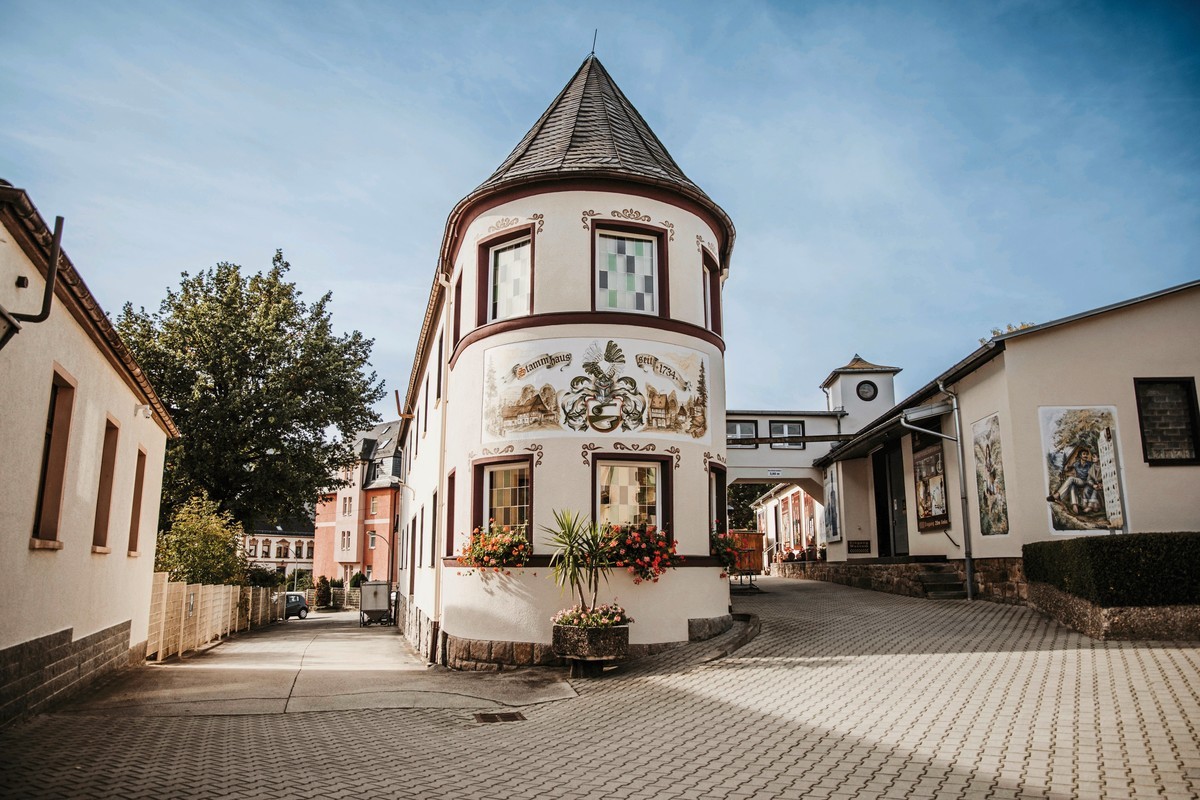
x,y
845,693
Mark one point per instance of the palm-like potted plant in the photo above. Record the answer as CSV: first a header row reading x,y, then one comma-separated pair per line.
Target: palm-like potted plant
x,y
582,558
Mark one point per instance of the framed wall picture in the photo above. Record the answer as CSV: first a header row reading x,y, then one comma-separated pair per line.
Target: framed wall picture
x,y
989,476
1082,467
929,478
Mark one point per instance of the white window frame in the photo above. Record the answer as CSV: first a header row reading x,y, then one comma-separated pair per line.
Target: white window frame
x,y
784,422
753,423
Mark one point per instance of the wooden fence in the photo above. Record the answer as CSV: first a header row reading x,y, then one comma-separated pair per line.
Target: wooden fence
x,y
186,616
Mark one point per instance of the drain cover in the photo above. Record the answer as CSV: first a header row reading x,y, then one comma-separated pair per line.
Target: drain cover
x,y
504,716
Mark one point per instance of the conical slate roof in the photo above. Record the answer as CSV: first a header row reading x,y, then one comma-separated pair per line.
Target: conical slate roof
x,y
591,127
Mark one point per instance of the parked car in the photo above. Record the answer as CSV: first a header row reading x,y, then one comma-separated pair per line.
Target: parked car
x,y
297,606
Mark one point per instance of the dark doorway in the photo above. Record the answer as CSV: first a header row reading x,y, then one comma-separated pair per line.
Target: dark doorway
x,y
891,503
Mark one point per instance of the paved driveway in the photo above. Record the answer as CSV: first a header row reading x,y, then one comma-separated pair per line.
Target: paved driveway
x,y
844,693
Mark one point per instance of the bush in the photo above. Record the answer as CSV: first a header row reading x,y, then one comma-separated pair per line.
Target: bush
x,y
1137,569
262,577
356,580
324,594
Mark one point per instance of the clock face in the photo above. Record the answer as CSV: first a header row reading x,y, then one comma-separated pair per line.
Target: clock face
x,y
867,390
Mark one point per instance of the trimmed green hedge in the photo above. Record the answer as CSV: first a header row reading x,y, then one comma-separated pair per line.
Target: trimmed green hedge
x,y
1137,569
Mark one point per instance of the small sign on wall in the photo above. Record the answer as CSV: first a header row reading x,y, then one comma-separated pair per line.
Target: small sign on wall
x,y
774,473
858,546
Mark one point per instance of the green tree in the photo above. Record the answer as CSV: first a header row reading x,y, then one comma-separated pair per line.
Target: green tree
x,y
261,576
256,380
1008,328
741,495
203,545
299,580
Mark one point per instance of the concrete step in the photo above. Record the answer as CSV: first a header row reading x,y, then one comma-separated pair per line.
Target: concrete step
x,y
940,578
957,594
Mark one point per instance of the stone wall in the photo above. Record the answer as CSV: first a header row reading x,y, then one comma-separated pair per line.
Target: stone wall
x,y
1142,622
891,578
421,632
1001,580
49,669
483,654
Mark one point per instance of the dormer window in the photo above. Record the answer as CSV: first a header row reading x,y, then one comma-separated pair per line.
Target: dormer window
x,y
627,273
509,280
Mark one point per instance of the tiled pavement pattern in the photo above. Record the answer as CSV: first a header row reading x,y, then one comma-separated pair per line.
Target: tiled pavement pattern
x,y
845,693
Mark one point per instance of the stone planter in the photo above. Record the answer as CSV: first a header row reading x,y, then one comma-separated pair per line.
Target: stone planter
x,y
591,644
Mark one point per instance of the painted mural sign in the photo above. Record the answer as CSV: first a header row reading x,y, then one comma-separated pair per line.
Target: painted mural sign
x,y
833,531
989,477
1082,468
595,386
929,475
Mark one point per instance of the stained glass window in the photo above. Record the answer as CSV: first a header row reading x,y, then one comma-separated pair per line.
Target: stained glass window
x,y
628,494
626,274
508,290
506,494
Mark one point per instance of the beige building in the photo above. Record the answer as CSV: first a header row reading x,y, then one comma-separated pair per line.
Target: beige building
x,y
1082,425
82,437
571,357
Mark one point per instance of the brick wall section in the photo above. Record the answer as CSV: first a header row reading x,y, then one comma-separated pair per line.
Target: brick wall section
x,y
1001,580
46,670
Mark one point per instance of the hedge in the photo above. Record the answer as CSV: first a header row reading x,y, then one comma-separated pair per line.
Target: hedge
x,y
1137,569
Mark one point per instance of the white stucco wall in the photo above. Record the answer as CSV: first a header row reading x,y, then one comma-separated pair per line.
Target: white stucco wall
x,y
518,607
562,283
47,590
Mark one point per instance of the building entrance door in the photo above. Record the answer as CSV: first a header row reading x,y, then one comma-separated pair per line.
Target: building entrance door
x,y
891,503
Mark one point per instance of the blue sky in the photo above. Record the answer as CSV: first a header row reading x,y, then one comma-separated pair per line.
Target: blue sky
x,y
903,176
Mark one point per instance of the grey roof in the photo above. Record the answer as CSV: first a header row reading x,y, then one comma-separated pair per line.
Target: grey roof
x,y
591,127
378,442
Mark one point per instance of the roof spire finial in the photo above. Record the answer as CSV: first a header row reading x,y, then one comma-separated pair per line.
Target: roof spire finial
x,y
595,33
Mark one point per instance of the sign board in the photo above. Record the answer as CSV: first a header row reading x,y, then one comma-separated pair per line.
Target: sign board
x,y
1110,479
858,546
774,473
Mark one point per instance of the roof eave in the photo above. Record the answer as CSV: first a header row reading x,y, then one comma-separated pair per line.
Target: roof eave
x,y
34,239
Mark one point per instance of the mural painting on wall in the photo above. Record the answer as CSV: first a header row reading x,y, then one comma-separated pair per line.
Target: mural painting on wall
x,y
1082,467
989,477
833,531
595,386
929,474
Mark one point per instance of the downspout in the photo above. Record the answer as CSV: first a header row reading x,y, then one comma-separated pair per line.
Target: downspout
x,y
444,282
51,275
962,487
